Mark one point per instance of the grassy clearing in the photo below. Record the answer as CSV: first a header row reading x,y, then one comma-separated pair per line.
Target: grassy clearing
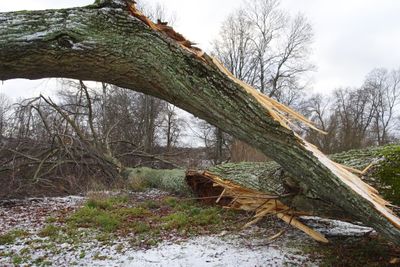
x,y
146,223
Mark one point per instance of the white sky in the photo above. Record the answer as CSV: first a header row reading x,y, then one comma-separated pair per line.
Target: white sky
x,y
351,36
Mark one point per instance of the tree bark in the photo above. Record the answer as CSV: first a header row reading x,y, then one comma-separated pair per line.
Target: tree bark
x,y
270,178
105,43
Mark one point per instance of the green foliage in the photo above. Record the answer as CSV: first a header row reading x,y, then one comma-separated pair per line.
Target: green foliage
x,y
143,224
107,214
7,239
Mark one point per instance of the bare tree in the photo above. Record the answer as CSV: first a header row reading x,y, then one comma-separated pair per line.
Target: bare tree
x,y
157,11
319,110
384,89
172,126
4,110
266,47
151,108
359,117
235,47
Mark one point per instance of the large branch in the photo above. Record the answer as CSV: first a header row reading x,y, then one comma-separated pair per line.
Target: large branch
x,y
106,43
269,177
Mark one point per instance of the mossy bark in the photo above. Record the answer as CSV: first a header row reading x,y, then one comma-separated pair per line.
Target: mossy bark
x,y
172,181
269,177
104,42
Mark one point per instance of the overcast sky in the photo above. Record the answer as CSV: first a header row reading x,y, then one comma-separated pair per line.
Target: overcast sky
x,y
351,36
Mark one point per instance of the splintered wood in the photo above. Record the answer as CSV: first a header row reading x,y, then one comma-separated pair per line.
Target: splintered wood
x,y
163,28
262,204
281,114
285,117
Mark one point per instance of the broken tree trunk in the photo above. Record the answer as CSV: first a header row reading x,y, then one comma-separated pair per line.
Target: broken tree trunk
x,y
265,188
372,164
110,42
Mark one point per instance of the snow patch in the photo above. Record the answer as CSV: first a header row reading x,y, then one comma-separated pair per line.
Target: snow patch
x,y
213,251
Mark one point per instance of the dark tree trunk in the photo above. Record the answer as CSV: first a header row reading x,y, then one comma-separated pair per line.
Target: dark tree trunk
x,y
218,146
105,43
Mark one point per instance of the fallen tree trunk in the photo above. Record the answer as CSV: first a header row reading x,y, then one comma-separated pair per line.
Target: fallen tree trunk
x,y
111,42
259,182
374,165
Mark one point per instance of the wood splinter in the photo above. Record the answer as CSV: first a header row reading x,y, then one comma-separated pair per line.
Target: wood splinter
x,y
262,204
163,27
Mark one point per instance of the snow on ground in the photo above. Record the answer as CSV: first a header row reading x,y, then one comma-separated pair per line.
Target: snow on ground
x,y
214,251
31,213
249,248
199,251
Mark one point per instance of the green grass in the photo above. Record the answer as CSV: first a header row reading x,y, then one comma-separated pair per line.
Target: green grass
x,y
88,217
150,204
176,220
51,220
145,223
209,216
171,201
106,203
105,219
50,231
191,215
133,212
140,227
17,260
11,236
